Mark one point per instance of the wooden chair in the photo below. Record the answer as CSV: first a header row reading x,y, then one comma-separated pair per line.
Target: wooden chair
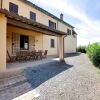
x,y
32,55
45,54
18,56
11,58
36,55
40,54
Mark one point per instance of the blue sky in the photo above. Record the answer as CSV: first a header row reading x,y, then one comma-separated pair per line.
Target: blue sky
x,y
83,14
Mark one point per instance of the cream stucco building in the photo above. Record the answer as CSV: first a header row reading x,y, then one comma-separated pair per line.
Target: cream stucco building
x,y
24,25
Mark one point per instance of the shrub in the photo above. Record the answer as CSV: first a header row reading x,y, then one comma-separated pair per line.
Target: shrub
x,y
93,52
81,49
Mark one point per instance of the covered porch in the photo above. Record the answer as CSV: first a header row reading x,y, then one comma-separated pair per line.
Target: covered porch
x,y
14,27
17,66
23,42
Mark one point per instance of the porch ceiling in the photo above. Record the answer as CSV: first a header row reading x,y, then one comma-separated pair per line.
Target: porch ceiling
x,y
23,22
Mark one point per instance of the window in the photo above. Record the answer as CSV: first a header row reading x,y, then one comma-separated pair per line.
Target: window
x,y
32,15
52,43
52,24
13,8
68,31
24,42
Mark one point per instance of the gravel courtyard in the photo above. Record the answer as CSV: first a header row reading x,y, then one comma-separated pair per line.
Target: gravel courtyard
x,y
76,79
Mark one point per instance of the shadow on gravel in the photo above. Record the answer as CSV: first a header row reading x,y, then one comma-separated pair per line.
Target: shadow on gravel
x,y
39,74
71,54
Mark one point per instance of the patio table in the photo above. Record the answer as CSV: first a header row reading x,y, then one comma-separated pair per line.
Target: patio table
x,y
29,55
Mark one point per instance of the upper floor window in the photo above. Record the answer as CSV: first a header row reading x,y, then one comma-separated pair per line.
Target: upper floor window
x,y
52,24
32,15
13,8
68,31
52,43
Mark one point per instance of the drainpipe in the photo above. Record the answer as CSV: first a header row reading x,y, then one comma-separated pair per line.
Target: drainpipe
x,y
64,42
57,42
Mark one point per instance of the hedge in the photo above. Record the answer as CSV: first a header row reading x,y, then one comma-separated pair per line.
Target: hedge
x,y
81,49
93,52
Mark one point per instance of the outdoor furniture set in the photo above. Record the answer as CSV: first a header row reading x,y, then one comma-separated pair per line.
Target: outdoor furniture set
x,y
28,55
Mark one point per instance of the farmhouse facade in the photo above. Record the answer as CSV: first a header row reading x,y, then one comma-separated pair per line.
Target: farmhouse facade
x,y
25,26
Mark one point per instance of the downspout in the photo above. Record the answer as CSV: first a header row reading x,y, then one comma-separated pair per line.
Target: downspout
x,y
57,42
64,42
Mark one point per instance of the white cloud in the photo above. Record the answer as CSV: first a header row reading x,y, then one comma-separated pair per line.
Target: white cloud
x,y
88,30
88,34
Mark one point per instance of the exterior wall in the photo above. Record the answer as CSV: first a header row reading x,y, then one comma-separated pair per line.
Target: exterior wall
x,y
63,27
41,41
47,44
25,9
3,22
70,44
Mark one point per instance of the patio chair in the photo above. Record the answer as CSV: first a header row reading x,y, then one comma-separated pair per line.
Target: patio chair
x,y
40,54
26,55
32,55
20,56
36,55
11,58
45,54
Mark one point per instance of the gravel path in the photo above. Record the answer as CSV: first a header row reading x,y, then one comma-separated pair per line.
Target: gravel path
x,y
80,82
76,80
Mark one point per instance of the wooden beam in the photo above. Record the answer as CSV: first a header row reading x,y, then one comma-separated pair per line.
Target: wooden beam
x,y
30,27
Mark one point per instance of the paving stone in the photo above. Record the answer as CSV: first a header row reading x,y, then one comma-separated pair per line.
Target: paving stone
x,y
77,79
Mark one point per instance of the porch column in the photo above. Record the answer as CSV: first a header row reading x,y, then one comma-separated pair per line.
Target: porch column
x,y
3,29
61,48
